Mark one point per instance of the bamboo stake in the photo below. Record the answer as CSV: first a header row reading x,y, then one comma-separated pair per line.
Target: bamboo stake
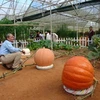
x,y
91,93
30,64
9,73
15,70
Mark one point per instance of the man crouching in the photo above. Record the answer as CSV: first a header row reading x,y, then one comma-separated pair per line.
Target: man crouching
x,y
9,55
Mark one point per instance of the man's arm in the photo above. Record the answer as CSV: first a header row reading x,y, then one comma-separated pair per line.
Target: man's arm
x,y
11,48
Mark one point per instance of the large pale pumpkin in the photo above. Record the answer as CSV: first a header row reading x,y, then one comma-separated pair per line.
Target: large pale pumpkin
x,y
44,57
78,73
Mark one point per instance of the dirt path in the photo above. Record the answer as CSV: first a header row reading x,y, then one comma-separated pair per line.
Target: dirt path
x,y
33,84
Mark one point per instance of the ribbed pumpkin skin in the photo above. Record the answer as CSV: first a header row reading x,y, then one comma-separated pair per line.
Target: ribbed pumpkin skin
x,y
44,57
78,73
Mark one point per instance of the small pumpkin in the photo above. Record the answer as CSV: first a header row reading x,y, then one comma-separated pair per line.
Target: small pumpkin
x,y
78,73
44,57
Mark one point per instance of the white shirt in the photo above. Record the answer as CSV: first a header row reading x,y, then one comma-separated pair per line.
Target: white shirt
x,y
48,36
42,35
55,36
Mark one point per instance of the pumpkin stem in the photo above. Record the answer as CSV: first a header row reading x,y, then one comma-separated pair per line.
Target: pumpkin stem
x,y
43,47
91,93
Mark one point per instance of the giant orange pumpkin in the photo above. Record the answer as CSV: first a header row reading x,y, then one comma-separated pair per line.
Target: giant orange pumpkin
x,y
78,73
44,57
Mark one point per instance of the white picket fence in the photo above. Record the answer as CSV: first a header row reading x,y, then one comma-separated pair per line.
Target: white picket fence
x,y
23,44
82,42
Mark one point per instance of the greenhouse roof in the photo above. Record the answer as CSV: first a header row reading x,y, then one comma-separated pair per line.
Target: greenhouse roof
x,y
67,11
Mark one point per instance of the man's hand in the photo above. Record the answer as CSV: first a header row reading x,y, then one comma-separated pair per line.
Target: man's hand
x,y
23,51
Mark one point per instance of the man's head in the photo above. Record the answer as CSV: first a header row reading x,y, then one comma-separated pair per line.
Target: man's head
x,y
49,31
38,32
91,28
10,37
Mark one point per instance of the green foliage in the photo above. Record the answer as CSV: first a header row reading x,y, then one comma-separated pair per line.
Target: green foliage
x,y
94,48
98,32
47,44
63,31
22,31
35,45
5,21
5,29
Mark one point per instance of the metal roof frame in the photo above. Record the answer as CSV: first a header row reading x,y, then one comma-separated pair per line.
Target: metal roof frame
x,y
60,9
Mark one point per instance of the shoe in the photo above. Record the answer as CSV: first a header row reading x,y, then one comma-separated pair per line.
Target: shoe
x,y
4,65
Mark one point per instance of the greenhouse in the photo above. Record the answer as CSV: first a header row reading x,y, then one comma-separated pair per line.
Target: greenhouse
x,y
76,14
49,49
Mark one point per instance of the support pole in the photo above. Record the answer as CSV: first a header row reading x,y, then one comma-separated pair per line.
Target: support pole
x,y
77,35
43,17
51,26
14,18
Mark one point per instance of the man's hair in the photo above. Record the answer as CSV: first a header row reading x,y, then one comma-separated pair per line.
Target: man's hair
x,y
8,35
90,27
49,31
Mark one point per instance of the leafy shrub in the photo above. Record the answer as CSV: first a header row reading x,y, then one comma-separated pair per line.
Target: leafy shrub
x,y
47,44
94,48
63,31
